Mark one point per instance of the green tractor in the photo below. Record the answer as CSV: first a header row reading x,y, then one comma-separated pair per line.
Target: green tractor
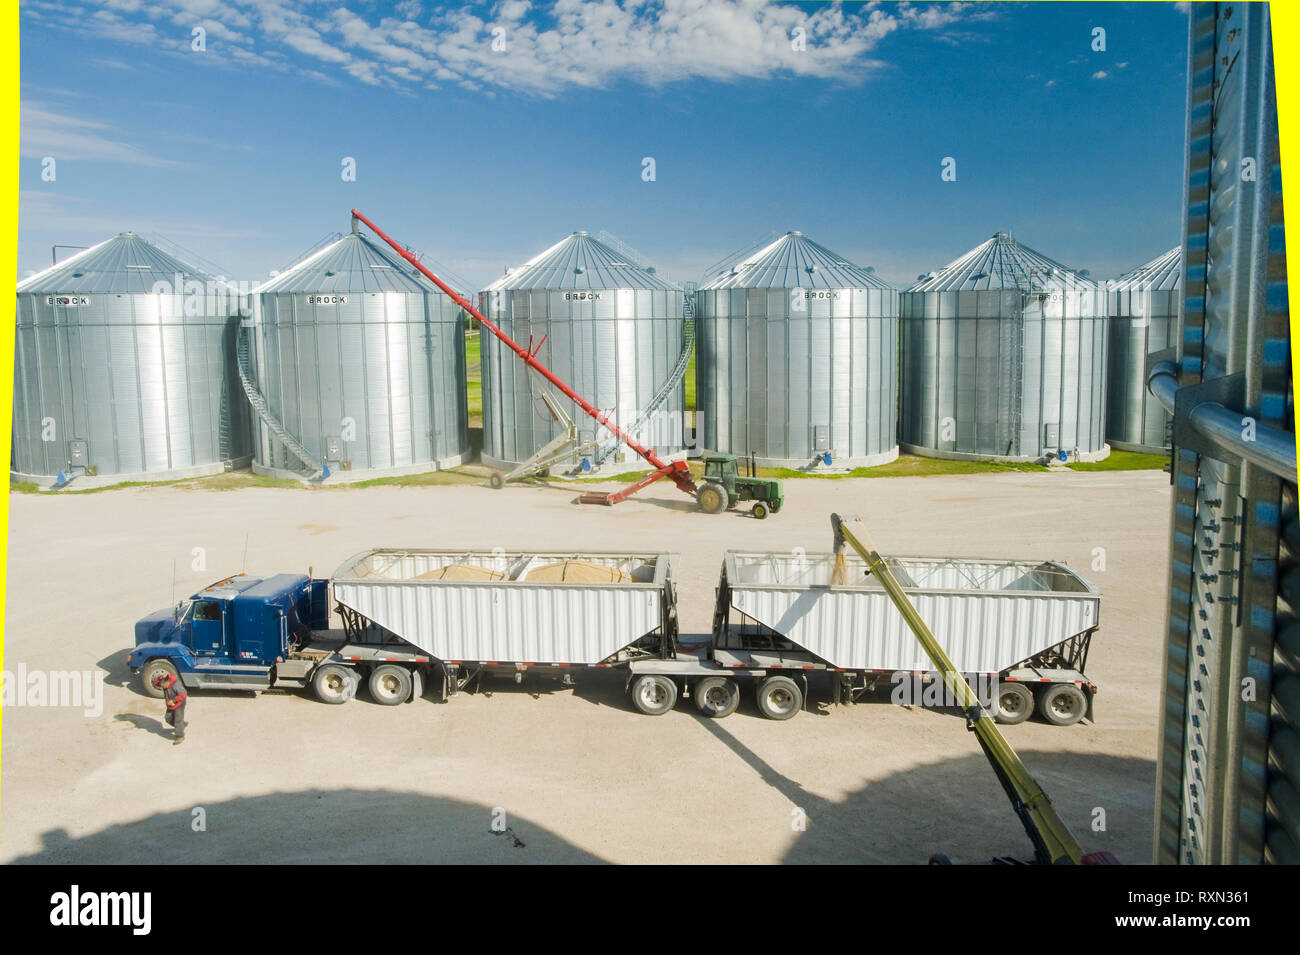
x,y
723,487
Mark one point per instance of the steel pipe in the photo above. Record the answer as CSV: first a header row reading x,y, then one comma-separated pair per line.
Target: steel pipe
x,y
1270,448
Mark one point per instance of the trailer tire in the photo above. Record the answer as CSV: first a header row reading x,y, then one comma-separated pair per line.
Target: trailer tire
x,y
712,498
152,669
1014,704
1062,704
389,685
334,684
496,480
717,696
779,698
760,510
654,694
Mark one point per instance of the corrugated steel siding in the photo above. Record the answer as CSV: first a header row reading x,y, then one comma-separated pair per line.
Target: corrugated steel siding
x,y
1144,306
998,372
1227,768
148,380
613,344
506,621
987,615
791,340
390,359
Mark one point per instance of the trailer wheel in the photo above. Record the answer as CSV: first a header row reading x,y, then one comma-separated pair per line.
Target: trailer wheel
x,y
712,498
654,695
717,696
1014,704
153,668
779,698
760,510
334,684
390,685
1062,704
496,480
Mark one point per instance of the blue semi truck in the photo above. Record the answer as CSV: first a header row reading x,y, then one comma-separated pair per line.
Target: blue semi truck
x,y
254,633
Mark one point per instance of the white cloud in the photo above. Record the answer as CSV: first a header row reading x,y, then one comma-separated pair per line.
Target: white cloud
x,y
63,136
566,44
1100,75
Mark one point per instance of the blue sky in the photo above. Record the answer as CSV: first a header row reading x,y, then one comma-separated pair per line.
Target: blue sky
x,y
481,157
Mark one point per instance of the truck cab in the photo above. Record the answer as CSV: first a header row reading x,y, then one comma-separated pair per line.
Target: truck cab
x,y
231,634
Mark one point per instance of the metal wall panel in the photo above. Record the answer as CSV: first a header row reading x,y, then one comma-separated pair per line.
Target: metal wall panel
x,y
612,344
775,363
152,389
384,371
991,373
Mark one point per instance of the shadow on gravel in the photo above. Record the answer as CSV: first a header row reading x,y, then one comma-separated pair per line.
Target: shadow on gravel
x,y
317,826
933,808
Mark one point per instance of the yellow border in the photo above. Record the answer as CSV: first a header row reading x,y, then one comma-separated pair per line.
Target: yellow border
x,y
9,49
1285,24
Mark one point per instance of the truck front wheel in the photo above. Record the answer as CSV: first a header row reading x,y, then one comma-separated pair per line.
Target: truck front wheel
x,y
334,684
390,685
153,669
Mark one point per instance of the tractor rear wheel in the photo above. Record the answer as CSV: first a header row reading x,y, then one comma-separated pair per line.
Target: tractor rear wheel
x,y
712,498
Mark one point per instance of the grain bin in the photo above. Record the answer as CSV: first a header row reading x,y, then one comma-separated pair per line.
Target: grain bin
x,y
1003,355
1143,308
124,365
356,363
612,330
797,357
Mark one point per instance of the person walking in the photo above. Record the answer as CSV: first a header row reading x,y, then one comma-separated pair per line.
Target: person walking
x,y
175,696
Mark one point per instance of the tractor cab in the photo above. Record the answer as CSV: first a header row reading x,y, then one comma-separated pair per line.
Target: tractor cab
x,y
721,469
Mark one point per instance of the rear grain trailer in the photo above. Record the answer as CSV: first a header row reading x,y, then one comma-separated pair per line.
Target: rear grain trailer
x,y
1021,628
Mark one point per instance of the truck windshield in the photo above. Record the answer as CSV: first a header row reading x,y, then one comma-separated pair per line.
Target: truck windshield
x,y
184,610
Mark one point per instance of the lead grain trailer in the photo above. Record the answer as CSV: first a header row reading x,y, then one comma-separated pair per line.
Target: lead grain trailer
x,y
1021,629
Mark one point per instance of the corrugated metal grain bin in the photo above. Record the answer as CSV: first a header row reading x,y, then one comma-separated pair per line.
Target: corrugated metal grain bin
x,y
798,356
1144,306
611,330
360,361
538,608
1003,355
1228,747
125,365
987,614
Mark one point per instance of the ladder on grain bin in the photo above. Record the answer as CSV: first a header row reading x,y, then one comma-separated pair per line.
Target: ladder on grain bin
x,y
1054,844
676,470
